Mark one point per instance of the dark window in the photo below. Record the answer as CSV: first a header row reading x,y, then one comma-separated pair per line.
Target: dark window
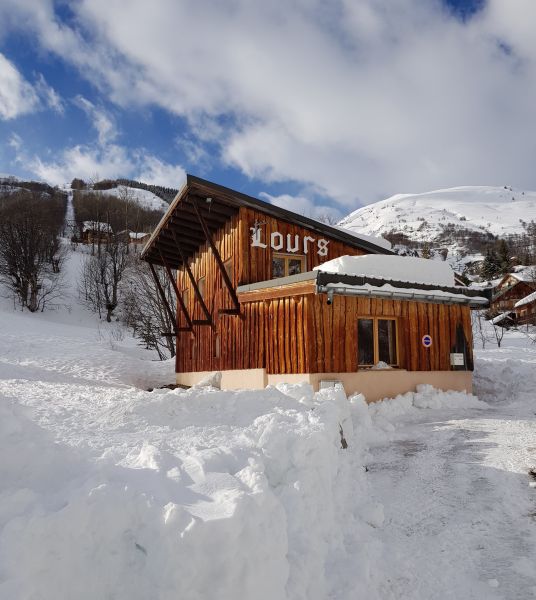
x,y
387,341
228,265
201,283
284,265
294,266
278,267
365,341
376,341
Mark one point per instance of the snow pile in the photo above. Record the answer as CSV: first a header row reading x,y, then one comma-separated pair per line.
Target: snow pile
x,y
175,494
398,268
386,412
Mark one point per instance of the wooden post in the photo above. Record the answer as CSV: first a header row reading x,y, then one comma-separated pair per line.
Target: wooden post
x,y
179,296
219,262
163,297
208,320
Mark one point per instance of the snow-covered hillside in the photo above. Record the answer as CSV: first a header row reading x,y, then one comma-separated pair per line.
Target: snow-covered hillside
x,y
424,217
144,198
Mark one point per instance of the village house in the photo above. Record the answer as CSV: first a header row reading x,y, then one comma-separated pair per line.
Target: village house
x,y
265,295
512,288
133,237
525,310
94,232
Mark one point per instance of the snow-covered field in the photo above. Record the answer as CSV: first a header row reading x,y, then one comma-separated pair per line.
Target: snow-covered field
x,y
108,491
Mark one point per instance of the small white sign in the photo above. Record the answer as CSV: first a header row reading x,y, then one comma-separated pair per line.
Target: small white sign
x,y
456,359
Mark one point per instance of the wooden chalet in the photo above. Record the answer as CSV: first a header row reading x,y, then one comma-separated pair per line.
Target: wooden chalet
x,y
250,305
525,310
94,232
512,288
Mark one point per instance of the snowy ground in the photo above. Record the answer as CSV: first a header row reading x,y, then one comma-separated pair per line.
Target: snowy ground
x,y
110,491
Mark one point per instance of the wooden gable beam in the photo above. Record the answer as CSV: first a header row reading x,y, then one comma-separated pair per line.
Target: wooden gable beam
x,y
219,262
163,298
208,316
179,297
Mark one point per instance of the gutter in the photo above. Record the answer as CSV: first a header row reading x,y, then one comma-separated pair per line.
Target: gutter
x,y
333,289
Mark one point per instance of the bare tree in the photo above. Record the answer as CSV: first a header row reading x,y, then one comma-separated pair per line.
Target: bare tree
x,y
31,255
144,311
480,331
101,278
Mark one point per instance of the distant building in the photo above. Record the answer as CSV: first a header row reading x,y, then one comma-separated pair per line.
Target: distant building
x,y
525,310
94,232
512,288
133,237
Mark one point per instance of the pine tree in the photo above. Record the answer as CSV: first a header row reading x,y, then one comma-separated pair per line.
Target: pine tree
x,y
490,267
505,262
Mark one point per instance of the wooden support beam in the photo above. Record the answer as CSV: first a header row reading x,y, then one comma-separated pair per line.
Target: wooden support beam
x,y
163,296
208,316
178,294
219,262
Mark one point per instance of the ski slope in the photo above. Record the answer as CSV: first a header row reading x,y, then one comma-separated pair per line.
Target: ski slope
x,y
144,198
423,217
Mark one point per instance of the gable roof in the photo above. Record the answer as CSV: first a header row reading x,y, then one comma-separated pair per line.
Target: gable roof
x,y
217,204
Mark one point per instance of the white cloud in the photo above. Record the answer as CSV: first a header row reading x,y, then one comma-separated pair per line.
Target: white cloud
x,y
305,206
49,96
93,162
17,96
356,98
100,119
153,170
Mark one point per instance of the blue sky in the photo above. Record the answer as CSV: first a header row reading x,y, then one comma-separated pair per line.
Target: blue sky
x,y
316,106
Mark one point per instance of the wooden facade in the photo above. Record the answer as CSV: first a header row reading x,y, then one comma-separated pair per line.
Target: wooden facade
x,y
238,342
288,327
511,292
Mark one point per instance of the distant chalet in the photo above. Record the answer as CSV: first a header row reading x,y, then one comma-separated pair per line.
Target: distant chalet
x,y
251,305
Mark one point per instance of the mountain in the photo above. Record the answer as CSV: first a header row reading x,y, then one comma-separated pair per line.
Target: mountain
x,y
462,221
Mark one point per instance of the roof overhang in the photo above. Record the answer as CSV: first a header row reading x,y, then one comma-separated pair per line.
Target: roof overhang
x,y
333,284
179,234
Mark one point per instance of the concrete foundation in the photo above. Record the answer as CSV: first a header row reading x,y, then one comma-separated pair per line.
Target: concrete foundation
x,y
373,384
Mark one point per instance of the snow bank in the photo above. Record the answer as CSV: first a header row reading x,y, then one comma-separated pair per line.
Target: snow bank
x,y
190,494
175,494
398,268
385,413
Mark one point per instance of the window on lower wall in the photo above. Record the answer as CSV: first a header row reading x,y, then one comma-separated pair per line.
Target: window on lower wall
x,y
377,340
284,265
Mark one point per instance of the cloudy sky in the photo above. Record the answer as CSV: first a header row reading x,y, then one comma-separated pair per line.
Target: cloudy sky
x,y
311,104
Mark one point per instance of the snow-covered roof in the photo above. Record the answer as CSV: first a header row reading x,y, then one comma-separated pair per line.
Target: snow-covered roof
x,y
500,318
526,300
398,268
392,291
138,236
97,226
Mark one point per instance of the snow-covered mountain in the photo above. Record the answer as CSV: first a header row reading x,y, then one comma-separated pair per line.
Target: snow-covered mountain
x,y
425,217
